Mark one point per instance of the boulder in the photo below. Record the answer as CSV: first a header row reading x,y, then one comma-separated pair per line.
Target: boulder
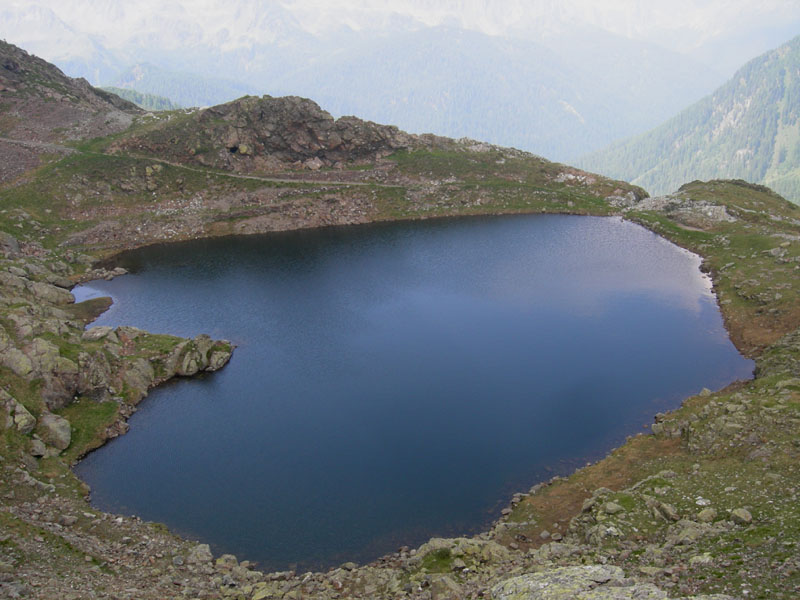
x,y
600,582
444,588
24,421
741,516
100,332
9,281
43,354
139,375
686,533
17,361
55,431
8,245
50,293
218,359
200,554
94,376
38,449
226,562
190,362
707,515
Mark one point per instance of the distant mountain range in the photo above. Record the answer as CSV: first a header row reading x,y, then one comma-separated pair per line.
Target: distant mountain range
x,y
181,88
146,101
575,89
748,129
559,100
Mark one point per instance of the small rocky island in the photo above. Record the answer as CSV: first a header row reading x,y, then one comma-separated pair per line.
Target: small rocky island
x,y
704,507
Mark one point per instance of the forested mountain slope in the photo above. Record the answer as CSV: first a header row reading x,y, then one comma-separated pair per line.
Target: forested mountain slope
x,y
748,129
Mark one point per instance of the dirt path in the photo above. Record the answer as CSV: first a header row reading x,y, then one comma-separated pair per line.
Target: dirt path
x,y
42,146
48,147
258,177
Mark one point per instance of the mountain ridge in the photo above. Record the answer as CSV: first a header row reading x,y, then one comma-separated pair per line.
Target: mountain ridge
x,y
749,128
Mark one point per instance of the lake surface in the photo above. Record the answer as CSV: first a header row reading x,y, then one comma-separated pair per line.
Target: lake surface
x,y
398,381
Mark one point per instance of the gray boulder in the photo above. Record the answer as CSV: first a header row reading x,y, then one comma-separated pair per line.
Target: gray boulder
x,y
8,245
55,431
24,421
200,554
100,332
15,359
593,582
50,293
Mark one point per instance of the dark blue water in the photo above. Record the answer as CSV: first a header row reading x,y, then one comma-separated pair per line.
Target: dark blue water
x,y
398,381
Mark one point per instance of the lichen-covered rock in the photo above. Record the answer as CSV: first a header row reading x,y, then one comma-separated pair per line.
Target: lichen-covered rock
x,y
126,334
191,361
100,332
9,281
443,587
594,582
139,376
686,533
200,554
8,245
55,431
707,515
95,375
43,354
17,361
472,550
50,293
24,421
572,583
741,516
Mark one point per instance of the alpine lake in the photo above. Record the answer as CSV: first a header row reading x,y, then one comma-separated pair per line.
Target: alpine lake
x,y
398,381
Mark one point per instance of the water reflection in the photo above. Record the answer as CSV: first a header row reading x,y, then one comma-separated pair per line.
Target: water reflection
x,y
393,381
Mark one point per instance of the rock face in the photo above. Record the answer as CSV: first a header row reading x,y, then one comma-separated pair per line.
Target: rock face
x,y
264,134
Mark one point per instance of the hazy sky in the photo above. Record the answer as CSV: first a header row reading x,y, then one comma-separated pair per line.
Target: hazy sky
x,y
682,25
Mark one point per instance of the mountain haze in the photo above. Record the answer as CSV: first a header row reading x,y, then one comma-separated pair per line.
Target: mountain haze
x,y
748,129
536,77
143,100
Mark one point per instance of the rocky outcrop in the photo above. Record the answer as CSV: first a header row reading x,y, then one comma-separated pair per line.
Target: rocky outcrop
x,y
593,582
269,134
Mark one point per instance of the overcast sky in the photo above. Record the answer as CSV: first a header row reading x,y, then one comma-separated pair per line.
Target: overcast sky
x,y
557,77
682,25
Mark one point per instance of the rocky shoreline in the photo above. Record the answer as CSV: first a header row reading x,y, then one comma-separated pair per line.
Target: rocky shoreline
x,y
574,558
